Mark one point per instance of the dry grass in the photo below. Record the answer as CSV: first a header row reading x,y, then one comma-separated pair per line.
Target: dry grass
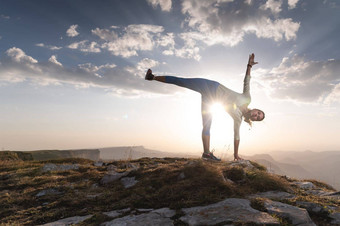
x,y
168,182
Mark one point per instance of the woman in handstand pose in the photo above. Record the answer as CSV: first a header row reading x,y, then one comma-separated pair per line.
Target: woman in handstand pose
x,y
236,104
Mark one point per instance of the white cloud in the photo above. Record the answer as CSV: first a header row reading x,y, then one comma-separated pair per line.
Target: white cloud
x,y
292,3
20,56
273,5
72,32
146,63
135,37
227,22
334,96
51,47
106,34
301,80
85,46
164,4
276,29
5,17
53,59
16,66
166,40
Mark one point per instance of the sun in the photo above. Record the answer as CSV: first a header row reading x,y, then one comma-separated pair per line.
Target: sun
x,y
222,126
217,110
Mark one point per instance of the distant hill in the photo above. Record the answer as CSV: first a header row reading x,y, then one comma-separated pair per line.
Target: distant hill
x,y
324,166
134,152
92,154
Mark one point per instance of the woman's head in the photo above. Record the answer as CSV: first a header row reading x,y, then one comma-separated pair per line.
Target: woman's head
x,y
256,115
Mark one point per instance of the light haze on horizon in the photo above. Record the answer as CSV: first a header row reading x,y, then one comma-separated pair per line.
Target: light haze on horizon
x,y
72,73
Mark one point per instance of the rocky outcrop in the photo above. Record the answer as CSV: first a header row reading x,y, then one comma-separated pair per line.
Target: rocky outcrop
x,y
228,211
296,215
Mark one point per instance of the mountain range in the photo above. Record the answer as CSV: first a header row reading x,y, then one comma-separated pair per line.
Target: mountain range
x,y
324,166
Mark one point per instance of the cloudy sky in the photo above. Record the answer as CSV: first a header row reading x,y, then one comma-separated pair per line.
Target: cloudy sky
x,y
72,72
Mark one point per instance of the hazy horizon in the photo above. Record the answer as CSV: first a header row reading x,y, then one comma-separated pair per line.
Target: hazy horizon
x,y
72,73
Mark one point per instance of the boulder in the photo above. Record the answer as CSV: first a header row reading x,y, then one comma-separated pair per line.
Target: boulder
x,y
68,221
229,211
153,218
296,215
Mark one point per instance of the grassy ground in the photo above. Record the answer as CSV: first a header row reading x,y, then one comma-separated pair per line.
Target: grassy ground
x,y
168,182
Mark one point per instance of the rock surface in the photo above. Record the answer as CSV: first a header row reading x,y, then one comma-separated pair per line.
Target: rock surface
x,y
227,211
68,221
128,181
50,191
305,185
335,218
153,218
312,207
53,167
296,215
278,195
244,163
111,177
116,213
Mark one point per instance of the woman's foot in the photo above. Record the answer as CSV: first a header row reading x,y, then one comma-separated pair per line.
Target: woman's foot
x,y
210,156
149,76
238,158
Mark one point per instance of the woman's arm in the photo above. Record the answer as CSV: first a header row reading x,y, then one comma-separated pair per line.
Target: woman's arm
x,y
251,62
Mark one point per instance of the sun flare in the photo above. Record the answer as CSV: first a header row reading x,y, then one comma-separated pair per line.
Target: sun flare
x,y
221,126
217,110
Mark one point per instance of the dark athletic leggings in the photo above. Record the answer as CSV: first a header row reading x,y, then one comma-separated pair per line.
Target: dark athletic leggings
x,y
207,88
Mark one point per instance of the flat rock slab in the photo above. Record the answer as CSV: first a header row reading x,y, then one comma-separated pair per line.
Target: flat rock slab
x,y
296,215
279,195
153,218
68,221
225,212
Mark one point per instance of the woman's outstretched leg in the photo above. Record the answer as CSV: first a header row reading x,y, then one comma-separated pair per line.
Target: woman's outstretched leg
x,y
204,86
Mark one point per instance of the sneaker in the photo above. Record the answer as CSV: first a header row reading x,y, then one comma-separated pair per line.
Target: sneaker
x,y
210,156
149,75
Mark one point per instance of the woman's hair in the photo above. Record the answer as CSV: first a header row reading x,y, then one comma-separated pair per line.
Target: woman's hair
x,y
247,116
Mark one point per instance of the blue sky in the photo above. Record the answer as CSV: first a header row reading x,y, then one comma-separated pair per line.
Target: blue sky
x,y
72,72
